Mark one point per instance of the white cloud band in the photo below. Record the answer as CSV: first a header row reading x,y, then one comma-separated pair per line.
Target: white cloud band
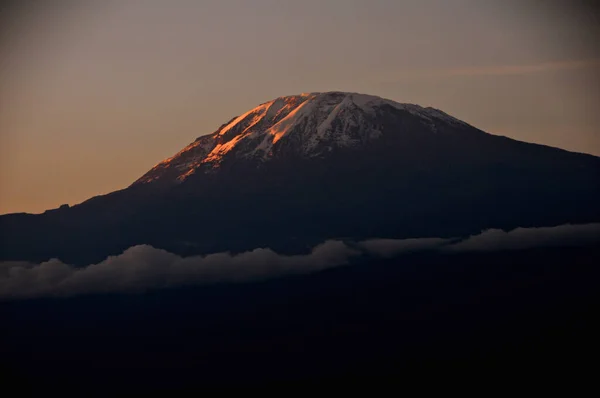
x,y
143,267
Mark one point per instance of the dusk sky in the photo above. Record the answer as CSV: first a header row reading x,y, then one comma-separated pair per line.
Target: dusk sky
x,y
95,93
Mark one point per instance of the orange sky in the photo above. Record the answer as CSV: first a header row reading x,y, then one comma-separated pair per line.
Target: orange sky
x,y
94,94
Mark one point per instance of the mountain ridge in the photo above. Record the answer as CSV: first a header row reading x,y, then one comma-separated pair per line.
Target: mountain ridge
x,y
424,175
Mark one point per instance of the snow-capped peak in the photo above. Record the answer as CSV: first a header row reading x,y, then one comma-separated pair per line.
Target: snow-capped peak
x,y
315,123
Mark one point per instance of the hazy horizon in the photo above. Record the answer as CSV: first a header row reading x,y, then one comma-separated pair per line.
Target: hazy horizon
x,y
95,94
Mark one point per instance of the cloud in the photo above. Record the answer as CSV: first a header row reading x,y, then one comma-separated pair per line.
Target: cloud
x,y
498,70
489,240
392,247
527,238
143,267
507,70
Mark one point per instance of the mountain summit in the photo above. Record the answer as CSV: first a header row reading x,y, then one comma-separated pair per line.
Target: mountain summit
x,y
298,170
308,125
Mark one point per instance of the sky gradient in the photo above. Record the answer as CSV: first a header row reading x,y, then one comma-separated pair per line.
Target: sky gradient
x,y
96,93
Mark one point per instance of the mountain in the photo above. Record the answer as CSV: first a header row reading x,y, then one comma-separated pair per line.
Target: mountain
x,y
301,169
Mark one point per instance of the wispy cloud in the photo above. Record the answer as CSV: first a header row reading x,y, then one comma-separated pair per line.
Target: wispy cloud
x,y
499,70
505,70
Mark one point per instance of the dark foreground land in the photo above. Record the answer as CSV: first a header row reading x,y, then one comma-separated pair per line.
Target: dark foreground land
x,y
513,313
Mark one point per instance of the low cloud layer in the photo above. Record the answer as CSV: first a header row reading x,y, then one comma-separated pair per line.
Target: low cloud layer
x,y
143,267
389,248
527,238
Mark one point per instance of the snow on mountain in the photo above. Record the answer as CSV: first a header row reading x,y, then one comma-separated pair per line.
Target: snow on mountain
x,y
314,123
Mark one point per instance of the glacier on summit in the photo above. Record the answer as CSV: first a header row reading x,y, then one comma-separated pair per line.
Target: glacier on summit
x,y
314,123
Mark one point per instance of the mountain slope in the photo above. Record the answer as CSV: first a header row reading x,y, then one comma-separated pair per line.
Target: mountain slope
x,y
297,170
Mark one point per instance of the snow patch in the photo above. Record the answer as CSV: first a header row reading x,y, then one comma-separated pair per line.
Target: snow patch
x,y
320,122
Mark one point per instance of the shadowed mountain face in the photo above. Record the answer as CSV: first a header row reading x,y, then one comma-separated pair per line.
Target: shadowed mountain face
x,y
298,170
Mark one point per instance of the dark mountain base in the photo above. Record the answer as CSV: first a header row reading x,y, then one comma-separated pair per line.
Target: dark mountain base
x,y
472,315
